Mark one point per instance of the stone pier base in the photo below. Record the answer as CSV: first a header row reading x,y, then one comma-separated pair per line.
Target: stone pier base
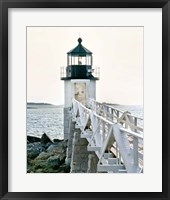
x,y
77,157
92,163
79,161
82,161
70,137
67,118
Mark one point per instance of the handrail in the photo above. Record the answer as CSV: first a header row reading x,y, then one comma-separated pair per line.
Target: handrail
x,y
124,117
99,116
119,110
102,129
136,135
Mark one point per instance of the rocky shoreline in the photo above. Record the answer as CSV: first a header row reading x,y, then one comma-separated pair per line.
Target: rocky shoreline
x,y
45,155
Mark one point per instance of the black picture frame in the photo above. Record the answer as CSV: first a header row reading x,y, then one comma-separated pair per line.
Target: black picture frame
x,y
4,5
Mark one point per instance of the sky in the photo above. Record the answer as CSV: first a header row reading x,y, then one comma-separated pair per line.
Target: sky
x,y
118,51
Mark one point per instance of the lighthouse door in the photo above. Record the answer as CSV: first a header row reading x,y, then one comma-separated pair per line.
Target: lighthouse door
x,y
80,92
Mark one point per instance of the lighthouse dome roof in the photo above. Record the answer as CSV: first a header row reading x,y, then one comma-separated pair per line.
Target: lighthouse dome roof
x,y
79,50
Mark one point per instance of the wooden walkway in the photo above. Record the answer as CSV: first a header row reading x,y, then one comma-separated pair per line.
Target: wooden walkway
x,y
115,136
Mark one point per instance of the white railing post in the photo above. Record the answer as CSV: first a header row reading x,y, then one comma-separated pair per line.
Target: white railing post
x,y
103,132
101,122
135,145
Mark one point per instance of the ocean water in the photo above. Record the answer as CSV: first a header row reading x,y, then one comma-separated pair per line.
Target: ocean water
x,y
47,120
50,119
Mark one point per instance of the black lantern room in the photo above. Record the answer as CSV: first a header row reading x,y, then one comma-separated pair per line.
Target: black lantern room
x,y
79,63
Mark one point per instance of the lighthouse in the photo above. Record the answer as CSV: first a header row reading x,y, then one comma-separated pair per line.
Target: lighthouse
x,y
79,78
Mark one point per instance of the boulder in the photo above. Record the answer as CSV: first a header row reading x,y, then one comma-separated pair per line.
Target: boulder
x,y
47,157
55,148
34,149
31,139
37,164
53,161
39,171
60,151
43,156
61,143
57,140
64,168
45,139
47,145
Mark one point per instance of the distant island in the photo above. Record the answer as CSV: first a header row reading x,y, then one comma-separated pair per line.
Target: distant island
x,y
41,105
38,104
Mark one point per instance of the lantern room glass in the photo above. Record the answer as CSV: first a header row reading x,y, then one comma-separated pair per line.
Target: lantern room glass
x,y
79,60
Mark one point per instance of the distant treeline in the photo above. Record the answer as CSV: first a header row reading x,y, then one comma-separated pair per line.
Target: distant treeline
x,y
42,105
38,104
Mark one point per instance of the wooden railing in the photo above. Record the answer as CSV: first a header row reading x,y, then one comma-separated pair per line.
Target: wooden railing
x,y
108,129
114,114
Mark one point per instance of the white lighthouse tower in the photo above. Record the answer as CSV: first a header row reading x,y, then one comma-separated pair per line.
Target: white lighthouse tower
x,y
79,80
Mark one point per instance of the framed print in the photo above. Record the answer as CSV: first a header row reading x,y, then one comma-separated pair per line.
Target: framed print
x,y
84,99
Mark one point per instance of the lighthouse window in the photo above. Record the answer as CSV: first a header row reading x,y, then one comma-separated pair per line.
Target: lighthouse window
x,y
80,60
88,60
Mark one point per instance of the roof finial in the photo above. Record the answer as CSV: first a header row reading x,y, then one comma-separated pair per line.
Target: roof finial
x,y
79,40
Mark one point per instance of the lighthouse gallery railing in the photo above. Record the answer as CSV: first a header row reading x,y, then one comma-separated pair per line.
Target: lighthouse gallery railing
x,y
95,71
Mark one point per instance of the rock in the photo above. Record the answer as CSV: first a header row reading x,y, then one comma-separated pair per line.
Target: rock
x,y
47,145
37,164
45,139
43,156
64,168
54,162
34,149
47,157
31,139
39,171
55,148
61,143
51,165
57,140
